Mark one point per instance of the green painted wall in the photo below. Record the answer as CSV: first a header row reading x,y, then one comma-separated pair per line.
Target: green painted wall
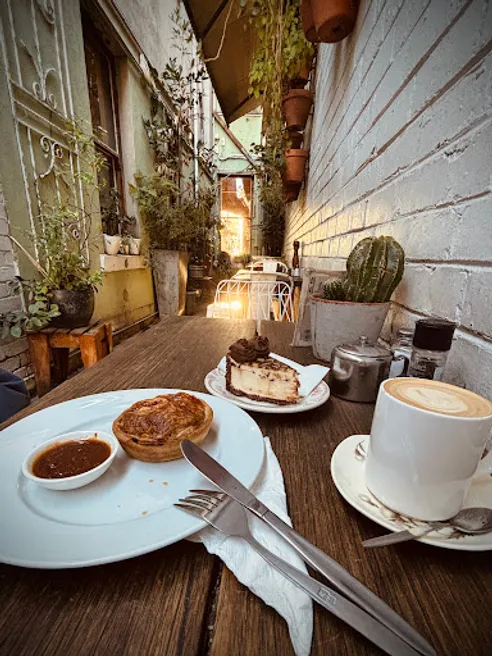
x,y
248,130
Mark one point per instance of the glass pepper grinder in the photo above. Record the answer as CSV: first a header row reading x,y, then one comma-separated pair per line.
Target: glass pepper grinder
x,y
430,348
401,348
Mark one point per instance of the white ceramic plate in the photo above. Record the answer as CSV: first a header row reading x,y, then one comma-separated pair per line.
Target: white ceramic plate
x,y
348,465
129,510
216,384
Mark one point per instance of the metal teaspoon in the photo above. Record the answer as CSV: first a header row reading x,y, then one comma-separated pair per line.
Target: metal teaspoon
x,y
472,521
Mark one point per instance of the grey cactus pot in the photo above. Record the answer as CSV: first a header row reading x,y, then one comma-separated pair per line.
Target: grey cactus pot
x,y
343,322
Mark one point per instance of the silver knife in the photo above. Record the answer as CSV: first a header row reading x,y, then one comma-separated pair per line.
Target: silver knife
x,y
333,571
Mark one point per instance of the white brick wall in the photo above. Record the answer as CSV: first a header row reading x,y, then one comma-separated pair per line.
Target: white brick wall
x,y
14,353
402,145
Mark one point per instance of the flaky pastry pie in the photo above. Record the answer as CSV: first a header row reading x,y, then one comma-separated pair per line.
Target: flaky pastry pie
x,y
152,430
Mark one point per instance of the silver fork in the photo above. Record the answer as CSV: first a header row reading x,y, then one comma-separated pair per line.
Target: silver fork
x,y
229,517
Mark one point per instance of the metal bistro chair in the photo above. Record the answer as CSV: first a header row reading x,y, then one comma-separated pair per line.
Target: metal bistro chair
x,y
257,298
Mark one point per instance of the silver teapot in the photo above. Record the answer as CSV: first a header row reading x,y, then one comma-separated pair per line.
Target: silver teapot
x,y
357,370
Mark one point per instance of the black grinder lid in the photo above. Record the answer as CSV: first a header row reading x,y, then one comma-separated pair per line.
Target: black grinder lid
x,y
433,334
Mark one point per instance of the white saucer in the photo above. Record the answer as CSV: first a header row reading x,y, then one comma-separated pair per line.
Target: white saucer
x,y
348,465
216,384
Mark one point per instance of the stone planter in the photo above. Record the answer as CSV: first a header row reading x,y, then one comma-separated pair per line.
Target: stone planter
x,y
170,270
343,322
112,244
76,307
297,104
334,19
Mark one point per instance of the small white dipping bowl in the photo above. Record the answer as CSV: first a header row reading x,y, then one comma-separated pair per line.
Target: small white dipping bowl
x,y
71,482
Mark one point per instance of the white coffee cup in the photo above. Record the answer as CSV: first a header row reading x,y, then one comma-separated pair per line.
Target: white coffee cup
x,y
427,438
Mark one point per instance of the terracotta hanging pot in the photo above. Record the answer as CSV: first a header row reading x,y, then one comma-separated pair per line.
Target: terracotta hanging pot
x,y
307,21
292,191
334,19
295,161
297,104
296,139
302,77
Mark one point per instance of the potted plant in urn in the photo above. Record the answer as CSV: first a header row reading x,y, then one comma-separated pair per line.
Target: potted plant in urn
x,y
66,292
357,304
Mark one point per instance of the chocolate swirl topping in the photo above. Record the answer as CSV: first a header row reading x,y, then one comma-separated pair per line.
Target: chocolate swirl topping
x,y
249,350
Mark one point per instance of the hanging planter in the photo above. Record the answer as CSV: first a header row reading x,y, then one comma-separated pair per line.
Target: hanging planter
x,y
334,19
292,190
295,161
296,139
297,104
308,22
301,78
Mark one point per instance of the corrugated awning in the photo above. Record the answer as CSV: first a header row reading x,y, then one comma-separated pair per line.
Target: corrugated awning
x,y
229,72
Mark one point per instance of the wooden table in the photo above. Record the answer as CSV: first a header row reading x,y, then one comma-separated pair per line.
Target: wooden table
x,y
181,600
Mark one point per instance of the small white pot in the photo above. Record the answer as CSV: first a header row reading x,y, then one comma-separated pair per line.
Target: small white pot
x,y
71,482
344,322
112,244
135,246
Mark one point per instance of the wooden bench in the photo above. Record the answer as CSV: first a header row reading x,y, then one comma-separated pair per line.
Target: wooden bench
x,y
94,342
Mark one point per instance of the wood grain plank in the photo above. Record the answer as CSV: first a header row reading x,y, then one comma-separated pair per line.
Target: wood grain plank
x,y
160,603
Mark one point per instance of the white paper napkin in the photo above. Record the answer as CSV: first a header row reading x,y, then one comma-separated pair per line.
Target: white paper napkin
x,y
309,376
251,570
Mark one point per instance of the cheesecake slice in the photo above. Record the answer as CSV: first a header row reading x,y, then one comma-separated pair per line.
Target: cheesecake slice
x,y
251,372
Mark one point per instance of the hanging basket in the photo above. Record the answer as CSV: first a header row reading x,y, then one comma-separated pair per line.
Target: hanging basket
x,y
308,22
295,161
334,19
297,104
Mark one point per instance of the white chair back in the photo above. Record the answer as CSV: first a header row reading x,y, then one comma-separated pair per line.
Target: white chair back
x,y
259,298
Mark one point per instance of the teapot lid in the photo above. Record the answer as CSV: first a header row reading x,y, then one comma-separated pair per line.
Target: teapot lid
x,y
363,350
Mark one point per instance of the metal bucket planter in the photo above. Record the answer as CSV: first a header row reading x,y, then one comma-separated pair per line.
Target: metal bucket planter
x,y
343,322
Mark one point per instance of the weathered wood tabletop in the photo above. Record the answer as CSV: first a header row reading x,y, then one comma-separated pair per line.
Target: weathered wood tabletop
x,y
181,600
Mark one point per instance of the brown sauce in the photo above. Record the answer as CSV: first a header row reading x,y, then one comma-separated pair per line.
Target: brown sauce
x,y
70,458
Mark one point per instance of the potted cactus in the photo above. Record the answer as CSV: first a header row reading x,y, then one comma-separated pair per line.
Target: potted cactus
x,y
357,304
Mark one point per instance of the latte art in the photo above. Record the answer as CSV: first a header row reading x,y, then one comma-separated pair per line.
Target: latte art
x,y
442,398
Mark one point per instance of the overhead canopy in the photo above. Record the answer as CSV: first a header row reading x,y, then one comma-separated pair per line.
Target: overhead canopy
x,y
229,72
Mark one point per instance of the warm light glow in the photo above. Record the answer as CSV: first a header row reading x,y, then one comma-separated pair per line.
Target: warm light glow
x,y
224,309
233,234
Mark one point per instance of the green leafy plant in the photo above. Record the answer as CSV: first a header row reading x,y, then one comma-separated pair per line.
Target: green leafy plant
x,y
39,311
374,270
176,215
280,54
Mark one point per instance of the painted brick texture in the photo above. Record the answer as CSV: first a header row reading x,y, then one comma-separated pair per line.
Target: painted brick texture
x,y
401,145
14,353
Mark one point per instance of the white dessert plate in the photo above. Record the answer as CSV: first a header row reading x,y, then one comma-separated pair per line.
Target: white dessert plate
x,y
129,510
215,383
348,465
